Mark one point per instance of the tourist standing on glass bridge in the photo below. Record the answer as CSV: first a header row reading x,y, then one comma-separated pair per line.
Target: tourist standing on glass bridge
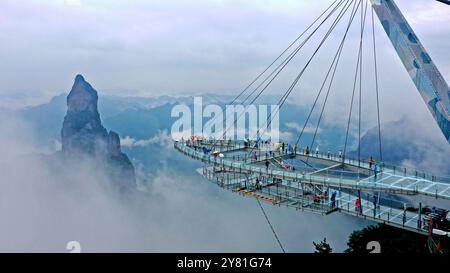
x,y
371,161
375,170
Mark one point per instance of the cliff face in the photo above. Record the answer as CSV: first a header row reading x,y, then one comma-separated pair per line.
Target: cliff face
x,y
84,135
82,131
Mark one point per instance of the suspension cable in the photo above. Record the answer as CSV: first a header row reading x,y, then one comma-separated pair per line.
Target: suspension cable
x,y
335,61
332,78
290,57
376,85
289,90
270,225
282,53
336,19
335,23
354,88
292,54
363,21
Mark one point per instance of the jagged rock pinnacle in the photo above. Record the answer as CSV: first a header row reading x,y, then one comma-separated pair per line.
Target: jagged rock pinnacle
x,y
79,77
84,135
82,97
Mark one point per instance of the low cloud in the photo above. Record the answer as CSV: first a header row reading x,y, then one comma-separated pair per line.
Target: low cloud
x,y
162,138
46,204
298,128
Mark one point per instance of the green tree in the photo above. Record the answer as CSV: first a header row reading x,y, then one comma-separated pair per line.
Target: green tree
x,y
323,247
392,240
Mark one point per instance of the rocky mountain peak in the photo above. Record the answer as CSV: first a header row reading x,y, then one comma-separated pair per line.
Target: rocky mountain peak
x,y
82,97
84,135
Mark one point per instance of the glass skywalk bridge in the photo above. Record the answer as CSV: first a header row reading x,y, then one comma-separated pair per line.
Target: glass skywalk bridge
x,y
310,181
343,173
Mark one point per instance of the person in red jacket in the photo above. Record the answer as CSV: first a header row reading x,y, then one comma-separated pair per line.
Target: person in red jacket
x,y
358,205
316,199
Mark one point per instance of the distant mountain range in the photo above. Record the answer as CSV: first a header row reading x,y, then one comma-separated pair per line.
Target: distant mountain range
x,y
409,143
142,119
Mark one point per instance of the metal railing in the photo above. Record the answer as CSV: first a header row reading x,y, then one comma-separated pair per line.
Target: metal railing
x,y
389,212
340,181
227,146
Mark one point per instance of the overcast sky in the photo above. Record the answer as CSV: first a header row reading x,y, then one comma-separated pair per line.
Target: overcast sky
x,y
173,46
151,48
146,46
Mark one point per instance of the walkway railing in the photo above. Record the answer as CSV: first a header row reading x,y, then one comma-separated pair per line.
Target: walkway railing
x,y
295,195
427,187
229,146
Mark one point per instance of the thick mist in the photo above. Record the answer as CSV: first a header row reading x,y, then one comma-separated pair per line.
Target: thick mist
x,y
45,204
